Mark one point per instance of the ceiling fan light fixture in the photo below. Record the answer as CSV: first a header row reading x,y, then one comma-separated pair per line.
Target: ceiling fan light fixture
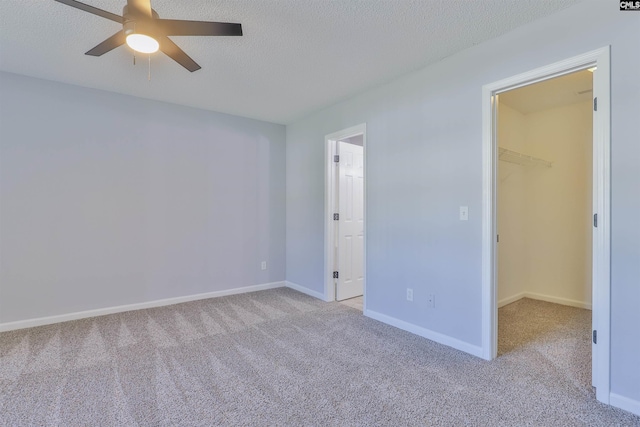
x,y
142,43
143,30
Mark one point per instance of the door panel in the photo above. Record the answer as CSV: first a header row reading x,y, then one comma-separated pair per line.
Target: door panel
x,y
351,224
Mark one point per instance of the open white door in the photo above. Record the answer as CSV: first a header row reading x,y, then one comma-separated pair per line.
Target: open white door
x,y
351,221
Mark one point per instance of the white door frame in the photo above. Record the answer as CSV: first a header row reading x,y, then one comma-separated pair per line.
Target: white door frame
x,y
601,204
330,230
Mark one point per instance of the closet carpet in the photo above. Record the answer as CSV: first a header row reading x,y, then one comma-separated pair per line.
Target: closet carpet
x,y
281,358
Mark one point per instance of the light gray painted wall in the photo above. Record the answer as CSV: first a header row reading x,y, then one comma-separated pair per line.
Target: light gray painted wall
x,y
424,142
107,199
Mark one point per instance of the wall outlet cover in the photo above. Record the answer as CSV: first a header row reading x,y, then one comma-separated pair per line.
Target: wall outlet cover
x,y
431,301
464,213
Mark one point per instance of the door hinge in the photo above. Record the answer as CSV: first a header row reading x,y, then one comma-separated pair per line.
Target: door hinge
x,y
497,238
335,274
595,220
336,159
336,217
595,336
595,104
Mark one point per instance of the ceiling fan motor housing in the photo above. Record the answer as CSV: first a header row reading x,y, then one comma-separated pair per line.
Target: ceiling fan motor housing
x,y
138,24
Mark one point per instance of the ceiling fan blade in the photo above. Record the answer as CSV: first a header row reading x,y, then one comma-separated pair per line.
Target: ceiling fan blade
x,y
91,9
118,39
176,27
139,7
174,52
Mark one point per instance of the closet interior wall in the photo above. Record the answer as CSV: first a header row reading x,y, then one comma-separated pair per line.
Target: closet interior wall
x,y
544,213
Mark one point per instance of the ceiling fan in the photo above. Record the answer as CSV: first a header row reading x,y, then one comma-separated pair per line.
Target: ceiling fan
x,y
145,32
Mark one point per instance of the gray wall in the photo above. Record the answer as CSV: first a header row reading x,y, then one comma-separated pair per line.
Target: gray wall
x,y
424,142
108,199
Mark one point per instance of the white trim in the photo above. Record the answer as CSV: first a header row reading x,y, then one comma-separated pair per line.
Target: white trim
x,y
307,291
30,323
509,300
602,234
602,186
558,300
625,403
547,298
329,196
426,333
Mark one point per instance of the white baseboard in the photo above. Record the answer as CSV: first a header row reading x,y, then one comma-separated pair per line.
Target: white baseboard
x,y
541,297
625,403
558,300
511,299
426,333
30,323
304,290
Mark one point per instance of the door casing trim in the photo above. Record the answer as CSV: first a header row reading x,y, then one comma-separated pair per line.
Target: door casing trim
x,y
601,204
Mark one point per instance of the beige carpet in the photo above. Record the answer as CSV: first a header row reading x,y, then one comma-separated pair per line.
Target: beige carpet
x,y
278,357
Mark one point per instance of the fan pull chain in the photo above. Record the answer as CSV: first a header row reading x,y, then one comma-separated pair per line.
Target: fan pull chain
x,y
134,52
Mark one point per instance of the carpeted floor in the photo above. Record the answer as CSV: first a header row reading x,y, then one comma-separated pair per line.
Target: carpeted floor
x,y
281,358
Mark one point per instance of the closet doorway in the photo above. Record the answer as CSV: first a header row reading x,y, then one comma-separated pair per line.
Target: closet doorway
x,y
544,193
544,188
546,205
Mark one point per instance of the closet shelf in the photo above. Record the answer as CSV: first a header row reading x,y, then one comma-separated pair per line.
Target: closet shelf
x,y
521,159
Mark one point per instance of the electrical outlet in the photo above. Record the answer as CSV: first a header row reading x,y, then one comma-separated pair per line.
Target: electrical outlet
x,y
431,301
464,213
409,294
263,265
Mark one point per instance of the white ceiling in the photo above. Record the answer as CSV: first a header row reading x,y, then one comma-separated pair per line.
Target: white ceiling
x,y
566,90
296,56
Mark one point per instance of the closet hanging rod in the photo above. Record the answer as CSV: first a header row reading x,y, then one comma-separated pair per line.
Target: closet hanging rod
x,y
511,156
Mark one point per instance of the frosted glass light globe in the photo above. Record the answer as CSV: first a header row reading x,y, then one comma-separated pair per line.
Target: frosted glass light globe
x,y
143,44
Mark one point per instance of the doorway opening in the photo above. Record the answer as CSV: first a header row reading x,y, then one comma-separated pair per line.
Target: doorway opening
x,y
345,226
546,222
544,211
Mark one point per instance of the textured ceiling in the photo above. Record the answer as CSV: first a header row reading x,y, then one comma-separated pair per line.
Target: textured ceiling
x,y
561,91
296,56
